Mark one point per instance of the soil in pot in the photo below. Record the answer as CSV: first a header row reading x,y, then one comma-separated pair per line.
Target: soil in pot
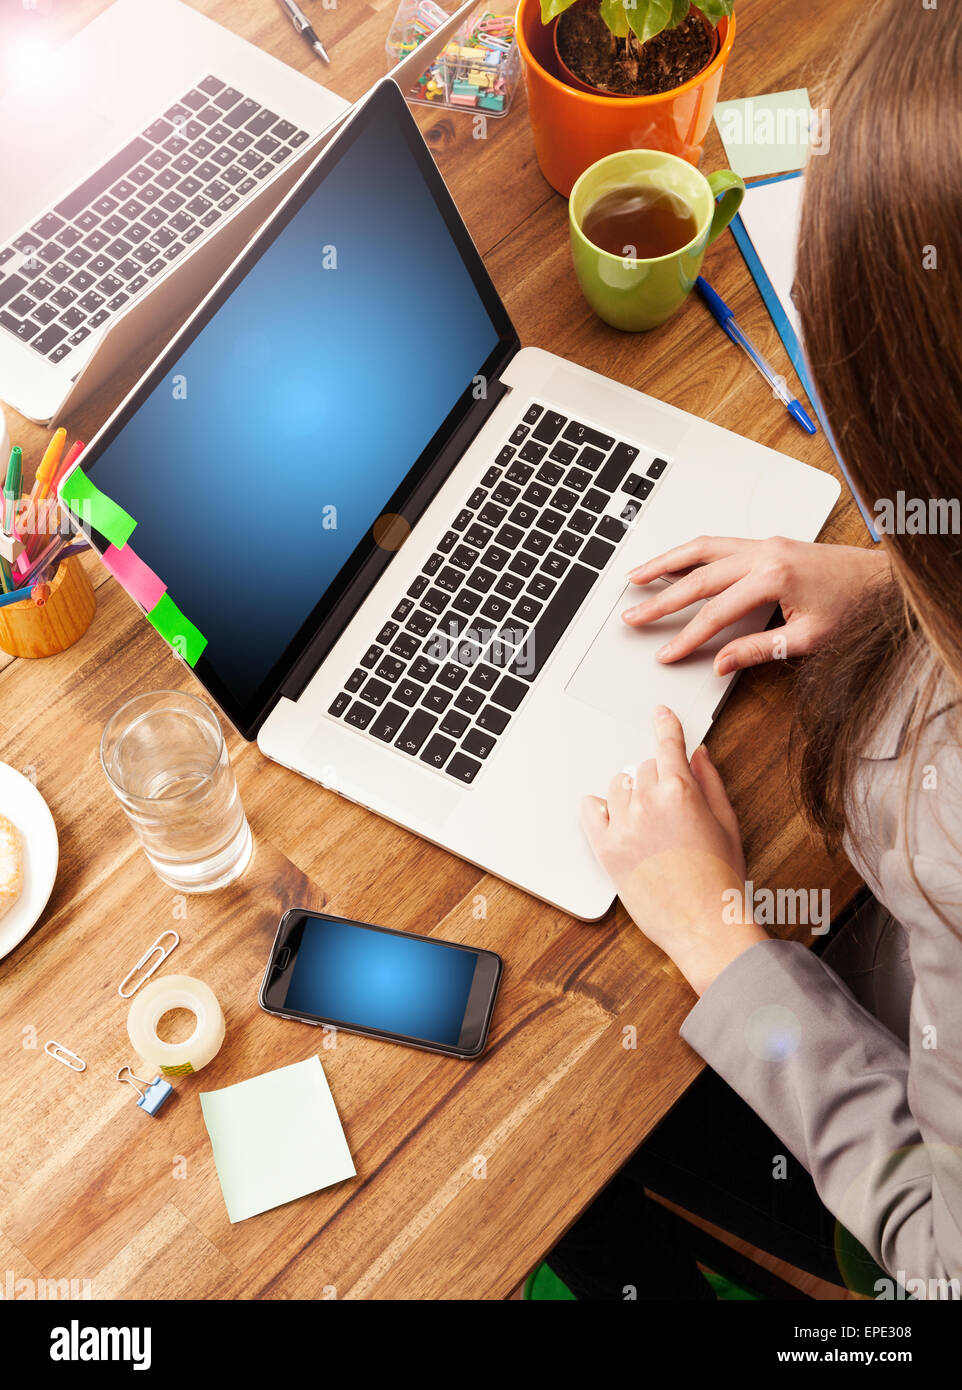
x,y
624,67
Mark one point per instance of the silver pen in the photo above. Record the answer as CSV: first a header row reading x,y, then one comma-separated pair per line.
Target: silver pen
x,y
302,25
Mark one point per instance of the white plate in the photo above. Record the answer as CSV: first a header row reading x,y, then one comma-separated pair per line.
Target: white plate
x,y
22,803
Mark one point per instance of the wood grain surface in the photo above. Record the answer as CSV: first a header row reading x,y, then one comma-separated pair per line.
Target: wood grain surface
x,y
467,1173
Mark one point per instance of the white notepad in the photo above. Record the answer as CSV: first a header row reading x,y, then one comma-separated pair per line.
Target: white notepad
x,y
275,1138
772,214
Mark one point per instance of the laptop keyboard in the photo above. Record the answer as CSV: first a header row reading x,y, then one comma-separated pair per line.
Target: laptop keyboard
x,y
454,661
93,252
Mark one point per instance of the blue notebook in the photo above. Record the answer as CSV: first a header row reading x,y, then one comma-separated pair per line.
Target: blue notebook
x,y
786,330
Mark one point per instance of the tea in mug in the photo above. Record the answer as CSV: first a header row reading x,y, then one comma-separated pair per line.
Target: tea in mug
x,y
640,223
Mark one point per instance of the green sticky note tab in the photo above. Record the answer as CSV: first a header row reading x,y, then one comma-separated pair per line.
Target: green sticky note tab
x,y
186,640
98,510
771,134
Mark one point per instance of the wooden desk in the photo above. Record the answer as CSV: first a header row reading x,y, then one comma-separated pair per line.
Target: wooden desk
x,y
467,1173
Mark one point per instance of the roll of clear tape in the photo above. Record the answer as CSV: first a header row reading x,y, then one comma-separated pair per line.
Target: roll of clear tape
x,y
158,998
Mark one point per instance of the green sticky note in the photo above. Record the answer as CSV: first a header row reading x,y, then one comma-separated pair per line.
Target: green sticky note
x,y
98,510
770,134
275,1138
186,640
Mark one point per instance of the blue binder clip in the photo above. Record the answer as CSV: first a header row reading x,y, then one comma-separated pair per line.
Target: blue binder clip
x,y
157,1093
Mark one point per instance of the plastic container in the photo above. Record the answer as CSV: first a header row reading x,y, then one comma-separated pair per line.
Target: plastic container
x,y
467,76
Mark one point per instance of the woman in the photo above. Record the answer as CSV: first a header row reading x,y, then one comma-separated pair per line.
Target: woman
x,y
861,1081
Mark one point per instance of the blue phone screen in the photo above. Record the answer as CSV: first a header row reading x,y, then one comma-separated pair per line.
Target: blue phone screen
x,y
373,979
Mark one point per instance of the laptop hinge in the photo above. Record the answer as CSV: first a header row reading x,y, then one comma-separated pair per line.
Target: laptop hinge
x,y
303,671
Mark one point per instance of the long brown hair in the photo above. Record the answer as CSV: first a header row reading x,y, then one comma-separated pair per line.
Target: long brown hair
x,y
879,292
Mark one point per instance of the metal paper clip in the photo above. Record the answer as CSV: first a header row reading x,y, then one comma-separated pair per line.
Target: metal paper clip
x,y
158,1091
164,953
63,1054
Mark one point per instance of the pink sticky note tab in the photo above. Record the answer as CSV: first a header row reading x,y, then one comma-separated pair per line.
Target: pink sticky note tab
x,y
137,578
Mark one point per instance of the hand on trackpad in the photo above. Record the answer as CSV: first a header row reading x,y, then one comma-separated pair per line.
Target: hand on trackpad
x,y
619,674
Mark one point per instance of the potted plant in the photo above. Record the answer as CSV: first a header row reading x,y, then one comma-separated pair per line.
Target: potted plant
x,y
609,75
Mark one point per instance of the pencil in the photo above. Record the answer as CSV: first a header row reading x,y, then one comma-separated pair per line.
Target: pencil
x,y
22,595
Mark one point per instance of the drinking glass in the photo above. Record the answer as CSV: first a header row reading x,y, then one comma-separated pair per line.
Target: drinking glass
x,y
165,758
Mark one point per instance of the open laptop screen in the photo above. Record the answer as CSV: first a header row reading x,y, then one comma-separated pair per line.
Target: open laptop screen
x,y
308,399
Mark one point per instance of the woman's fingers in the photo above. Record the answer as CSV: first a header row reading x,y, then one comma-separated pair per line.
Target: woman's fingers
x,y
671,757
594,818
709,779
795,638
619,793
746,652
743,597
697,552
704,582
646,774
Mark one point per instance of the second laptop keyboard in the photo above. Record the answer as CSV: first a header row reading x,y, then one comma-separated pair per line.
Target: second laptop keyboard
x,y
459,653
103,244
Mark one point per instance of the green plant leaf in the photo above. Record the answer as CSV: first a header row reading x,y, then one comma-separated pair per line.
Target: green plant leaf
x,y
550,9
614,15
679,13
714,10
647,18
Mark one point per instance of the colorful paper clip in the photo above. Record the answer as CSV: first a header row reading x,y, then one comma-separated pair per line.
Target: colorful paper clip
x,y
63,1054
164,953
158,1091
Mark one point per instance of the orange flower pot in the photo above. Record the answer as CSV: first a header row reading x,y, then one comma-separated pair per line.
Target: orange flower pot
x,y
572,129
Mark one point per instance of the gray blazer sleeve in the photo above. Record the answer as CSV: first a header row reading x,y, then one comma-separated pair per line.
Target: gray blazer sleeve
x,y
874,1112
876,1122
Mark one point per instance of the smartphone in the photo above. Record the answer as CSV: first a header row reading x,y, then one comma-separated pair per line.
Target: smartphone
x,y
381,983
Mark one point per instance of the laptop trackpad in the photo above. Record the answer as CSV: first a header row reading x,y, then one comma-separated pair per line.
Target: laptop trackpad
x,y
619,674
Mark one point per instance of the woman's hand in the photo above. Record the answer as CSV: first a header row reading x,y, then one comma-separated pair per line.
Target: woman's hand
x,y
816,586
670,841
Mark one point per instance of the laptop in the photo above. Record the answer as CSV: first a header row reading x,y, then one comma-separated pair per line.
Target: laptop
x,y
134,168
400,539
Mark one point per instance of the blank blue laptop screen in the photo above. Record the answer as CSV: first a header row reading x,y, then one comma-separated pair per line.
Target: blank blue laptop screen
x,y
266,452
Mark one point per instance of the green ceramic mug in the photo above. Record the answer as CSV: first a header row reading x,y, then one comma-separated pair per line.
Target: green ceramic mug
x,y
636,295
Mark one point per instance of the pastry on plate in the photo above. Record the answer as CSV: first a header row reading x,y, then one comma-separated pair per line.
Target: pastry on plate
x,y
11,865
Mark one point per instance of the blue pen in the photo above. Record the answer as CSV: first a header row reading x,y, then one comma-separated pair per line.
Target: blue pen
x,y
726,318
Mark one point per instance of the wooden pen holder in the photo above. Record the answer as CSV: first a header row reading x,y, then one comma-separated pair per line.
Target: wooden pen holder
x,y
32,631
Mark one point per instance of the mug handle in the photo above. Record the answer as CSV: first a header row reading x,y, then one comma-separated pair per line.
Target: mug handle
x,y
727,187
